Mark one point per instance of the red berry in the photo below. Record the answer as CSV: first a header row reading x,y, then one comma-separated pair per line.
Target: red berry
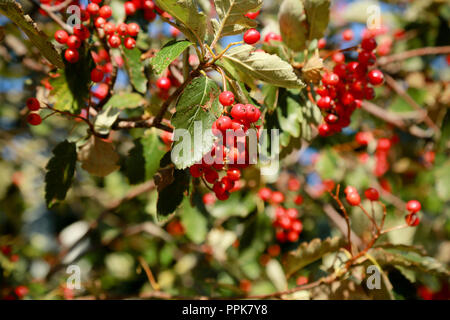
x,y
149,15
272,36
109,28
211,175
21,291
92,8
129,43
226,98
274,250
372,194
105,12
321,43
239,112
253,113
324,130
251,36
277,197
252,15
281,236
412,219
363,138
369,44
339,57
245,285
353,198
330,79
366,58
292,213
209,199
284,222
219,188
133,29
324,103
96,75
234,174
61,36
297,226
294,184
347,35
331,118
101,91
122,29
33,104
114,41
148,4
350,189
292,236
298,200
265,194
413,206
73,42
224,123
99,22
164,83
376,77
302,280
384,144
71,55
95,1
130,8
81,32
227,183
34,119
196,170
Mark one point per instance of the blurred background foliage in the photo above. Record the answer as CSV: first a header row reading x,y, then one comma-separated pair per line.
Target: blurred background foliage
x,y
210,250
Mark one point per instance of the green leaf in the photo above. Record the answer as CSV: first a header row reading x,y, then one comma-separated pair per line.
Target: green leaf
x,y
71,88
105,119
293,24
308,252
167,54
263,66
318,16
123,101
232,16
195,223
329,165
60,171
144,158
197,109
442,176
13,11
170,197
135,69
193,22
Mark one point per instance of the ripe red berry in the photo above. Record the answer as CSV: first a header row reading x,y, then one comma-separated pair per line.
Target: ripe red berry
x,y
339,57
292,213
226,98
252,15
281,236
114,41
298,200
253,113
366,58
211,175
105,12
196,170
109,28
413,206
294,184
347,35
302,280
21,291
149,15
133,29
412,219
130,8
61,36
350,189
292,236
122,29
252,36
330,79
33,104
353,198
234,174
376,77
324,130
71,55
99,22
96,75
92,8
363,138
129,43
224,123
369,44
73,42
297,226
384,144
81,32
239,112
272,36
274,250
277,197
331,118
324,103
321,43
372,194
164,83
34,119
209,199
265,194
101,91
148,4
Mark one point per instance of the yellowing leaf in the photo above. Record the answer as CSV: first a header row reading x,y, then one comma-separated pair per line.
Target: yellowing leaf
x,y
98,157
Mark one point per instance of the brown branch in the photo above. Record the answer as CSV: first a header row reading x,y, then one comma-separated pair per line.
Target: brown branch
x,y
413,53
54,17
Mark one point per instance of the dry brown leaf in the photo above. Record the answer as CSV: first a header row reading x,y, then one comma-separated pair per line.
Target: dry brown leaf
x,y
98,157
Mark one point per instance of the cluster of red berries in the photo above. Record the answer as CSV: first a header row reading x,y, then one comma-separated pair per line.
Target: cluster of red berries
x,y
230,150
381,152
344,89
7,252
287,225
148,7
33,117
